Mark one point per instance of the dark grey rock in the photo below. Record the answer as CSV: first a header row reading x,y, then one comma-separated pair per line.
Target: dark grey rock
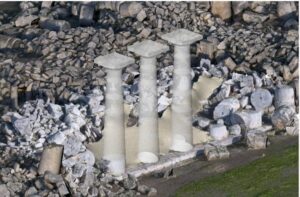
x,y
55,25
87,13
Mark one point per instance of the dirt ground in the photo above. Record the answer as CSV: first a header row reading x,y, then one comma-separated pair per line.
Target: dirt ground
x,y
199,169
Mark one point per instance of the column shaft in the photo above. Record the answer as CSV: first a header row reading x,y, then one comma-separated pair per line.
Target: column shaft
x,y
114,131
181,102
148,124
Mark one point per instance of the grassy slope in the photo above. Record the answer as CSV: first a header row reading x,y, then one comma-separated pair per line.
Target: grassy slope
x,y
273,175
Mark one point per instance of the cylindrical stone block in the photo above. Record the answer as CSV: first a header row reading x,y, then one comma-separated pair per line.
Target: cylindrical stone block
x,y
181,102
113,134
218,131
51,159
249,118
261,99
284,96
148,124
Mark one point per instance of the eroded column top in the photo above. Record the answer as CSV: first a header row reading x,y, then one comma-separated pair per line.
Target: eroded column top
x,y
181,37
114,61
148,48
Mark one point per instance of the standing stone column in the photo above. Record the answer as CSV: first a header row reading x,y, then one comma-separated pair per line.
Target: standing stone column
x,y
148,125
182,92
114,131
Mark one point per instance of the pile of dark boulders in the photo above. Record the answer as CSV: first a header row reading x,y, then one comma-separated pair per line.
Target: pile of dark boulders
x,y
51,92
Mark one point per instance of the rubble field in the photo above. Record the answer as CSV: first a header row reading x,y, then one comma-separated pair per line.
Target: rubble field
x,y
52,94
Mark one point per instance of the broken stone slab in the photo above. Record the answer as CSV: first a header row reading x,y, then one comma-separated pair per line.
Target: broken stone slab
x,y
218,131
244,100
214,152
163,102
225,107
221,9
250,119
261,99
247,81
284,96
239,6
23,21
58,180
141,15
257,80
256,139
130,9
74,118
286,8
55,110
22,125
73,145
286,73
251,17
94,102
78,167
125,9
282,117
230,63
294,63
207,48
54,25
51,159
57,138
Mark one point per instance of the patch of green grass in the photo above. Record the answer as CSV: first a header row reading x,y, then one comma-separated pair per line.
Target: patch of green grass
x,y
273,175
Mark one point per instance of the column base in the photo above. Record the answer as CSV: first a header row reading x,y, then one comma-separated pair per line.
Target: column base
x,y
116,164
181,146
147,157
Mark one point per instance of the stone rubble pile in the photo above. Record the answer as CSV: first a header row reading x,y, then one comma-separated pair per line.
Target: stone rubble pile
x,y
37,124
47,54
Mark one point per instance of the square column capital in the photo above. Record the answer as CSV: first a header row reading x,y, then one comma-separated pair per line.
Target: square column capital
x,y
181,37
114,61
148,48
